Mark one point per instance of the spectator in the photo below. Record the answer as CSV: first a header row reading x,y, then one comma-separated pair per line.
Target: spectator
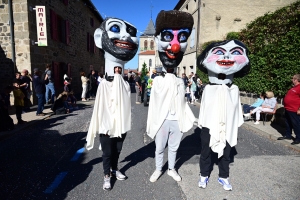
x,y
188,94
72,101
84,81
154,74
185,79
19,102
61,106
49,85
68,85
138,88
291,103
39,88
92,88
100,78
259,101
267,106
7,122
26,78
193,87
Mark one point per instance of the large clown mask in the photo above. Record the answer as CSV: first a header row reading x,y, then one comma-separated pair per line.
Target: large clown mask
x,y
171,45
173,29
224,60
118,40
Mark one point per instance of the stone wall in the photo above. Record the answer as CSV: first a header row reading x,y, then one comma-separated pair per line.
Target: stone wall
x,y
30,56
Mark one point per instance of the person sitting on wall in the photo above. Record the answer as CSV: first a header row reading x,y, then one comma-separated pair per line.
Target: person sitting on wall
x,y
267,106
259,101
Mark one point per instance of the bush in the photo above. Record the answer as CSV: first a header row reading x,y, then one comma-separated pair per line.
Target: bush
x,y
232,36
273,41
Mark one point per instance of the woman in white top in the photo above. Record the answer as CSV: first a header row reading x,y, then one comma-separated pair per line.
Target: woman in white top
x,y
84,81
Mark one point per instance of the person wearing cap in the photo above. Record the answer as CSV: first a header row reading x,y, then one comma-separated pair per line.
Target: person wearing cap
x,y
154,74
39,88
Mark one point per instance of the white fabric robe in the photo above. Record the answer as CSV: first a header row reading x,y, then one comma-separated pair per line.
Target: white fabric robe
x,y
168,95
221,112
112,110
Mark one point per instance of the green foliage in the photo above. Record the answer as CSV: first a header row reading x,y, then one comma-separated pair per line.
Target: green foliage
x,y
232,36
144,71
274,41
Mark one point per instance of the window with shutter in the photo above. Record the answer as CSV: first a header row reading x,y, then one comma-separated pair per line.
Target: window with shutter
x,y
88,41
53,22
56,73
67,32
92,44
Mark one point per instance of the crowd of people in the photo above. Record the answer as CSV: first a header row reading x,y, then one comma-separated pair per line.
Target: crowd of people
x,y
43,85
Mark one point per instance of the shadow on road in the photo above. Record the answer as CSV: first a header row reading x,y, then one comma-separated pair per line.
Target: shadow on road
x,y
32,159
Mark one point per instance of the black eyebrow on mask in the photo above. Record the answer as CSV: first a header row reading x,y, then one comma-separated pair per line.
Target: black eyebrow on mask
x,y
237,48
114,21
218,48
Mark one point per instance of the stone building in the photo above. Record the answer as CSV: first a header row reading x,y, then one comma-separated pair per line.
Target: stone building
x,y
70,36
148,53
213,19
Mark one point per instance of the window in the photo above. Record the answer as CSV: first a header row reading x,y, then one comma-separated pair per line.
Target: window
x,y
152,45
187,6
60,28
92,22
150,62
145,45
90,44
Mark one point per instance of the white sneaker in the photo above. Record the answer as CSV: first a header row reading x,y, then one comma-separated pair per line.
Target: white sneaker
x,y
203,181
225,183
118,175
155,176
174,174
257,122
106,184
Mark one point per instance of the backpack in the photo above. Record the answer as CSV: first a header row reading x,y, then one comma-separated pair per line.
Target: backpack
x,y
43,78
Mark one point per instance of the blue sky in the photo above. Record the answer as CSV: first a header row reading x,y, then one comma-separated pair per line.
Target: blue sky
x,y
137,12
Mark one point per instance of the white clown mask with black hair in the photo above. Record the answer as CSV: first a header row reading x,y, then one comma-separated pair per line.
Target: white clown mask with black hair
x,y
171,45
117,38
224,60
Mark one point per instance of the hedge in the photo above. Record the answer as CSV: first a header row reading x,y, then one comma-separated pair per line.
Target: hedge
x,y
274,43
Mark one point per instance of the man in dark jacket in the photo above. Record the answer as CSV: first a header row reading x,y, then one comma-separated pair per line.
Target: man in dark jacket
x,y
39,88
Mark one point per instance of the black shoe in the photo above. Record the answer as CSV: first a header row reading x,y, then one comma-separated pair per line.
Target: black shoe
x,y
284,138
295,142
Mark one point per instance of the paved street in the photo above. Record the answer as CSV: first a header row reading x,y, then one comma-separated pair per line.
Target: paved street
x,y
47,161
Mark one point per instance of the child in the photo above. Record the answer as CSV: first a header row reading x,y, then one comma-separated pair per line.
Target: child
x,y
188,94
72,101
19,102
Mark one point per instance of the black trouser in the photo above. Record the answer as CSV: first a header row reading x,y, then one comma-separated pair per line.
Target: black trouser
x,y
205,158
19,110
111,148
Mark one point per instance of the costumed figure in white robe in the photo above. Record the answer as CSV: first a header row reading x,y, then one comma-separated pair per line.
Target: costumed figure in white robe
x,y
220,111
111,116
169,114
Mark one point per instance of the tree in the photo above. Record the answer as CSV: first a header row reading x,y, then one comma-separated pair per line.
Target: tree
x,y
144,71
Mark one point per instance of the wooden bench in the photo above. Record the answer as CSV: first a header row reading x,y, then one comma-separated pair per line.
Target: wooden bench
x,y
264,115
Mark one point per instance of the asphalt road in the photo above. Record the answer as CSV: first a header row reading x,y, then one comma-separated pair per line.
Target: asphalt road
x,y
48,161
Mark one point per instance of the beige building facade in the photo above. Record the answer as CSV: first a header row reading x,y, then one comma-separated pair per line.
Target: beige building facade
x,y
213,19
70,30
